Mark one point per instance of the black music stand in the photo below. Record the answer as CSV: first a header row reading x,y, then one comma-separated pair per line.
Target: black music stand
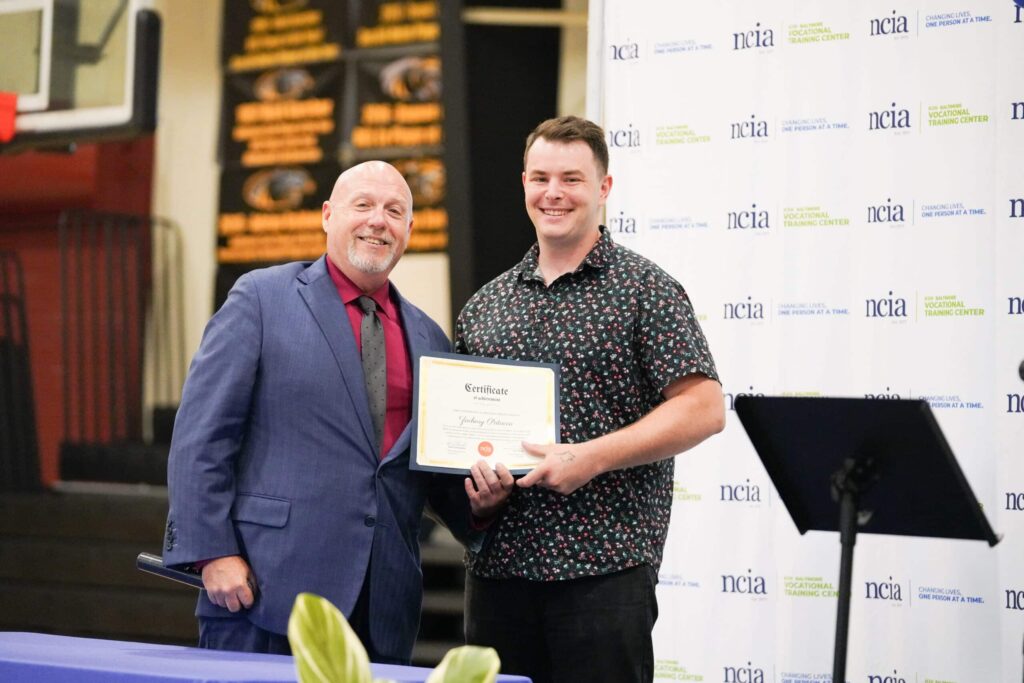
x,y
879,465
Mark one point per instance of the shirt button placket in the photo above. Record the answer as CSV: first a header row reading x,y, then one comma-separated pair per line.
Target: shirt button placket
x,y
542,322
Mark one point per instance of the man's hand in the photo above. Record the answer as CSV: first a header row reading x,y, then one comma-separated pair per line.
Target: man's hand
x,y
692,411
565,467
229,583
488,489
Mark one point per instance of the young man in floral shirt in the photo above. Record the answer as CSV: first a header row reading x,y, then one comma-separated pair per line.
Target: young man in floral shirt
x,y
564,588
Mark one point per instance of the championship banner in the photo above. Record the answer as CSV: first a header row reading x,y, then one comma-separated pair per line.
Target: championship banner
x,y
400,118
389,24
399,100
268,34
312,87
272,215
838,188
398,110
282,116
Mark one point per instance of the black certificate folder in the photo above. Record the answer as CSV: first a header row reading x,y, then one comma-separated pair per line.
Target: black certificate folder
x,y
911,483
467,408
154,564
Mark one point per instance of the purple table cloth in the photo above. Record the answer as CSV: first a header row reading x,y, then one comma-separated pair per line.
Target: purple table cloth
x,y
41,658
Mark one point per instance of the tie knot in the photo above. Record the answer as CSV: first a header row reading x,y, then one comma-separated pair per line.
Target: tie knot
x,y
367,304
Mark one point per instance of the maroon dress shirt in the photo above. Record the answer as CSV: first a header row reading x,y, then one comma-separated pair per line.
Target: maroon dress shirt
x,y
399,367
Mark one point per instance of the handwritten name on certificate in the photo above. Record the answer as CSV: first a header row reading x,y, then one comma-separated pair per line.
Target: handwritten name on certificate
x,y
466,408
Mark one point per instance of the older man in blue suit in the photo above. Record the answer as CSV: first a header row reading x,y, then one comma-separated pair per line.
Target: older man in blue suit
x,y
289,471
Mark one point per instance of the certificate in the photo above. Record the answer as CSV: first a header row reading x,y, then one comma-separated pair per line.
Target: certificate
x,y
466,408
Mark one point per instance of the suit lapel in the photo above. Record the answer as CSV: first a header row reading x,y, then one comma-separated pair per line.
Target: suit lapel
x,y
416,342
321,296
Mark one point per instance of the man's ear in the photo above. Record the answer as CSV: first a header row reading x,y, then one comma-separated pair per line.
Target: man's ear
x,y
325,215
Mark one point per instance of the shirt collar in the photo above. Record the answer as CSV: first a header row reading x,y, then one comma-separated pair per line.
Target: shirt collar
x,y
349,291
598,257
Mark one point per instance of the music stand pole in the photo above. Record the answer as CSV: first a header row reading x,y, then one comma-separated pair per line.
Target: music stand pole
x,y
847,484
847,538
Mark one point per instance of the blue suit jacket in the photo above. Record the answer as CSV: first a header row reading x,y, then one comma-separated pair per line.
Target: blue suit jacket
x,y
273,458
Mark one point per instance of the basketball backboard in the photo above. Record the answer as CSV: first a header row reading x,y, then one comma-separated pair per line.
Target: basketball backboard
x,y
81,69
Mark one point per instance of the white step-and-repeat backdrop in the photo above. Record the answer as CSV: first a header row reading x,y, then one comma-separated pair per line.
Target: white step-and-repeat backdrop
x,y
840,188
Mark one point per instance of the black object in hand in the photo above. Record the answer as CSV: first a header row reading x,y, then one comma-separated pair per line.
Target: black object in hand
x,y
154,564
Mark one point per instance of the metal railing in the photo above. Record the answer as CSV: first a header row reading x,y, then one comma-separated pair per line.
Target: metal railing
x,y
122,344
19,450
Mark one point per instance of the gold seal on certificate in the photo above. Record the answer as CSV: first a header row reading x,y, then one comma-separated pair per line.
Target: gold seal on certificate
x,y
466,408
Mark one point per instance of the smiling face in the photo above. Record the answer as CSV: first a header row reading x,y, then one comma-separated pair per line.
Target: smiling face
x,y
368,221
565,189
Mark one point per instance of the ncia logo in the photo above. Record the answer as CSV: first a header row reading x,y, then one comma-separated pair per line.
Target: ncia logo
x,y
743,674
754,128
746,219
883,590
886,678
740,493
890,306
730,398
887,395
1014,402
744,584
886,213
1014,599
743,310
622,224
624,137
624,52
755,37
893,118
885,26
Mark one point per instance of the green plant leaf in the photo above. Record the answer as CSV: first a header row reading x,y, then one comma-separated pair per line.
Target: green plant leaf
x,y
325,647
467,664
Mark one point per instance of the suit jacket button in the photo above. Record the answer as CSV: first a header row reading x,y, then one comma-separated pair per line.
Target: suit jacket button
x,y
369,520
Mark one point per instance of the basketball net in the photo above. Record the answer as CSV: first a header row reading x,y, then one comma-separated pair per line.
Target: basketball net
x,y
8,111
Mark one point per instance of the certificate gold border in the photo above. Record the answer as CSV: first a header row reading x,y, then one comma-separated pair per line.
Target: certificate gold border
x,y
423,365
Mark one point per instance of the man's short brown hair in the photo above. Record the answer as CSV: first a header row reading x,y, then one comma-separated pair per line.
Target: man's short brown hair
x,y
566,129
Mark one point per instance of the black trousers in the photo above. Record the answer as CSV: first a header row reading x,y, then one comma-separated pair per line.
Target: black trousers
x,y
591,629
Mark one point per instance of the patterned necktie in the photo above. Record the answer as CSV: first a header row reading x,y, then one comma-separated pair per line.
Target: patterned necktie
x,y
374,364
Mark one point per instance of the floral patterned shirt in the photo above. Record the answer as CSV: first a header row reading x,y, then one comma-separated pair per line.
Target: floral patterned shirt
x,y
622,331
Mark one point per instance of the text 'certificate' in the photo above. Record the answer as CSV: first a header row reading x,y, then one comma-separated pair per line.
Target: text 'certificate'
x,y
466,408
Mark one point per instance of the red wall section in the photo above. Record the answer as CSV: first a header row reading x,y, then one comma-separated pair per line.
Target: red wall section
x,y
34,188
